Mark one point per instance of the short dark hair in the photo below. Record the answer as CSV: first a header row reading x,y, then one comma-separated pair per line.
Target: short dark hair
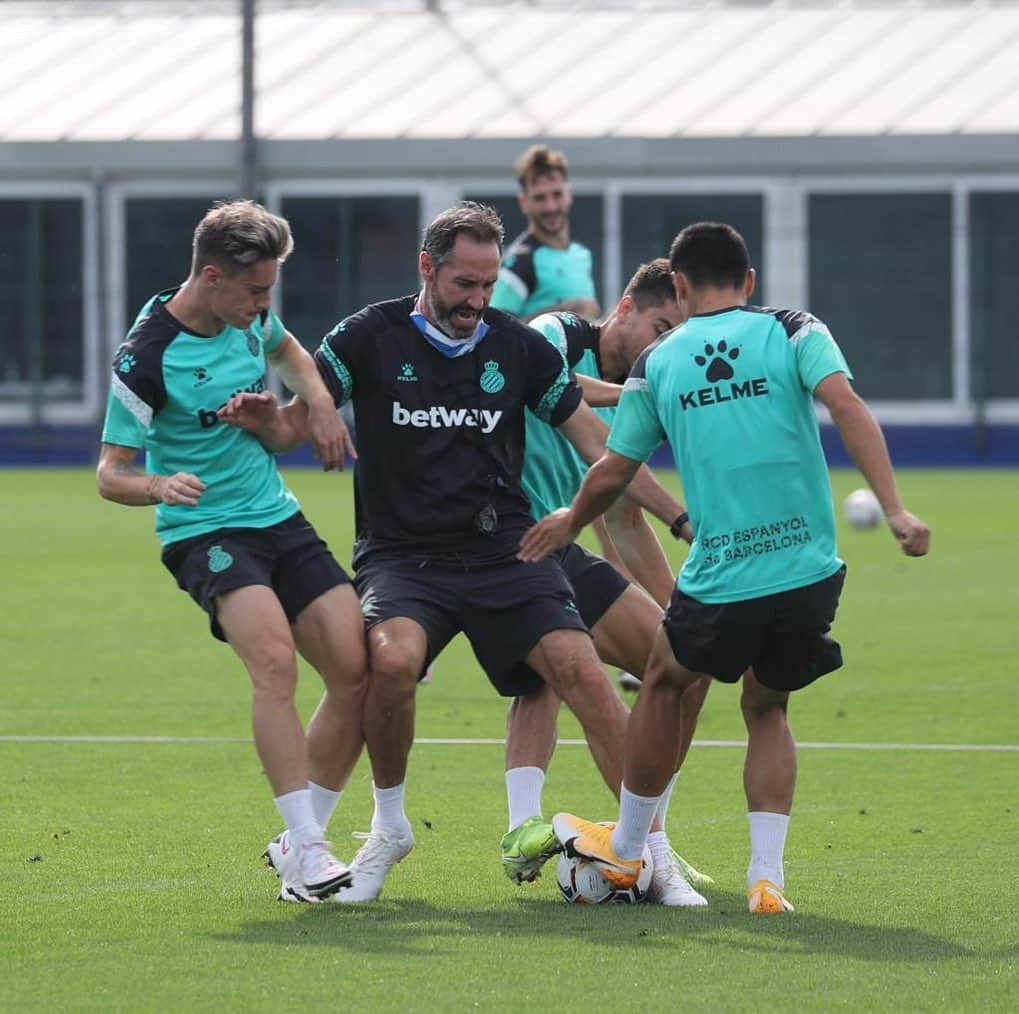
x,y
651,284
477,220
236,234
539,160
710,254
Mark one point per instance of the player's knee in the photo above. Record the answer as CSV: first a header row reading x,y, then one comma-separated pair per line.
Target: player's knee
x,y
273,668
394,668
345,685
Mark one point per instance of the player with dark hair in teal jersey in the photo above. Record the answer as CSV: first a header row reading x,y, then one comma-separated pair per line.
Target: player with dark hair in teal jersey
x,y
620,614
232,532
732,389
544,269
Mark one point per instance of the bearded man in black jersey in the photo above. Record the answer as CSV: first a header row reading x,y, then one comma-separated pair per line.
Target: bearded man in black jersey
x,y
440,384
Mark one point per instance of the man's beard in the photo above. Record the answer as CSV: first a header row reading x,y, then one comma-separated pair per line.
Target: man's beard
x,y
442,315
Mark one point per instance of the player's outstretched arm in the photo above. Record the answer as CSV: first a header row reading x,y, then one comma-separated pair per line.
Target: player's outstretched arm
x,y
866,445
327,431
278,429
588,433
119,480
604,481
639,550
599,393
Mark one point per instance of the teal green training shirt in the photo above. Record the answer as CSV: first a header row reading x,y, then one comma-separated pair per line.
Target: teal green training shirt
x,y
731,391
534,276
166,388
553,470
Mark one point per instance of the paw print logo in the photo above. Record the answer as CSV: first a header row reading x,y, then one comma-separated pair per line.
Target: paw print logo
x,y
408,369
719,367
127,363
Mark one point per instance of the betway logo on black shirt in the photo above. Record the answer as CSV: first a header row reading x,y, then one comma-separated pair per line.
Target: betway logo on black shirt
x,y
439,417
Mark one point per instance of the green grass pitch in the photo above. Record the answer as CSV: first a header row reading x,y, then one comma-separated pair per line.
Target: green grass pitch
x,y
131,870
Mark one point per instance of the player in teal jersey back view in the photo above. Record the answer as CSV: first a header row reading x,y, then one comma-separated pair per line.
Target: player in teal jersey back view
x,y
232,532
622,616
732,391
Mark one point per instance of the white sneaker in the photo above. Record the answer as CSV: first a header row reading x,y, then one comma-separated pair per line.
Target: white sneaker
x,y
281,857
381,851
321,873
308,874
669,886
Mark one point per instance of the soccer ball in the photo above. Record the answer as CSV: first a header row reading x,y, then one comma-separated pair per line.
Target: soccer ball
x,y
580,883
861,509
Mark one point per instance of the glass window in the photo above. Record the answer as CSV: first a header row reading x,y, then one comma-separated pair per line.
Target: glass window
x,y
993,252
41,300
587,221
881,279
159,235
348,252
651,222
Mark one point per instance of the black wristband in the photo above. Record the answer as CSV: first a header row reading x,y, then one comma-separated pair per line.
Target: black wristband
x,y
676,528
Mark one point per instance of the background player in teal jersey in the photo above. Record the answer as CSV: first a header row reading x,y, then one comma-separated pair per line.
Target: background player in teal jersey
x,y
544,269
732,390
231,530
621,616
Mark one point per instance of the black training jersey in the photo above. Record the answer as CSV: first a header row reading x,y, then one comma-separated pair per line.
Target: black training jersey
x,y
441,440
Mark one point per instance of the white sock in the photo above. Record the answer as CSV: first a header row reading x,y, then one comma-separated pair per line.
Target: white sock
x,y
389,814
661,849
767,847
323,802
663,803
523,793
635,816
295,809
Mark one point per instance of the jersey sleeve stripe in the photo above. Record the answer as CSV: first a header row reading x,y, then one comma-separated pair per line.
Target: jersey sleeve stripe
x,y
341,371
636,384
138,408
551,397
810,325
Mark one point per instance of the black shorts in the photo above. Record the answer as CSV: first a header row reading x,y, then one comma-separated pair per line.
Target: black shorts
x,y
289,557
783,636
596,583
504,609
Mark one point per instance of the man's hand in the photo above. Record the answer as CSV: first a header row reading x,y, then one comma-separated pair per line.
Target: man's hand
x,y
913,535
329,435
551,533
251,412
180,489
